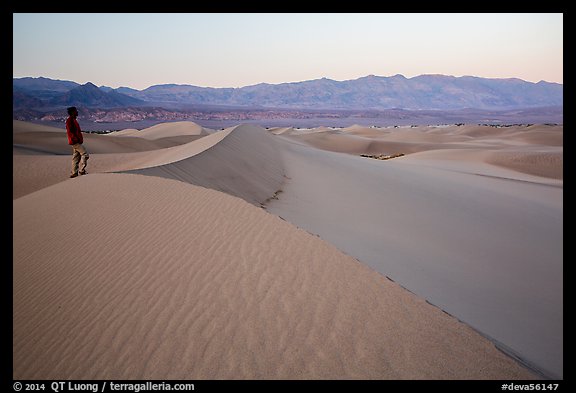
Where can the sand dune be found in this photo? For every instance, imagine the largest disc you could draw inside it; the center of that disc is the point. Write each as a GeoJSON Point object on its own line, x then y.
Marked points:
{"type": "Point", "coordinates": [164, 130]}
{"type": "Point", "coordinates": [145, 269]}
{"type": "Point", "coordinates": [366, 140]}
{"type": "Point", "coordinates": [538, 163]}
{"type": "Point", "coordinates": [243, 161]}
{"type": "Point", "coordinates": [19, 126]}
{"type": "Point", "coordinates": [52, 154]}
{"type": "Point", "coordinates": [41, 143]}
{"type": "Point", "coordinates": [476, 231]}
{"type": "Point", "coordinates": [535, 149]}
{"type": "Point", "coordinates": [539, 135]}
{"type": "Point", "coordinates": [281, 130]}
{"type": "Point", "coordinates": [29, 138]}
{"type": "Point", "coordinates": [139, 277]}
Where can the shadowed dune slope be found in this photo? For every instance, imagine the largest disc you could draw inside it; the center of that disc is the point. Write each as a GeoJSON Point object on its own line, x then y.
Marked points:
{"type": "Point", "coordinates": [246, 163]}
{"type": "Point", "coordinates": [482, 241]}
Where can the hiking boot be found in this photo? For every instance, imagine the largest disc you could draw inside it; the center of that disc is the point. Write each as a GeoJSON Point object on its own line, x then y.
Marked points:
{"type": "Point", "coordinates": [73, 175]}
{"type": "Point", "coordinates": [82, 173]}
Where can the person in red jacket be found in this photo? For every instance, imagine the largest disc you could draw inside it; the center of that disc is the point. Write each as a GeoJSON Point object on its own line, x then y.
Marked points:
{"type": "Point", "coordinates": [75, 139]}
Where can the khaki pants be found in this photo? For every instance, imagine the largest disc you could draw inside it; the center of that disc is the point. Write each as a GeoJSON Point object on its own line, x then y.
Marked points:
{"type": "Point", "coordinates": [79, 155]}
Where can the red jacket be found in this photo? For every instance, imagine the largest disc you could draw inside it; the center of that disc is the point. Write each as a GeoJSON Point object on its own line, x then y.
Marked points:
{"type": "Point", "coordinates": [73, 131]}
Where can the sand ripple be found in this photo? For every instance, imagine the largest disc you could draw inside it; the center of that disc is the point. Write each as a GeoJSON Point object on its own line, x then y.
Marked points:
{"type": "Point", "coordinates": [121, 276]}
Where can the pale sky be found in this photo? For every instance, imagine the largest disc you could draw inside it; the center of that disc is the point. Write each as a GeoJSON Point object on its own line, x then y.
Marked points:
{"type": "Point", "coordinates": [241, 49]}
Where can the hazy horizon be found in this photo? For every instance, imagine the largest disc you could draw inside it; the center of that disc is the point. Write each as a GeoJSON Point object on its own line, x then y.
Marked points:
{"type": "Point", "coordinates": [237, 50]}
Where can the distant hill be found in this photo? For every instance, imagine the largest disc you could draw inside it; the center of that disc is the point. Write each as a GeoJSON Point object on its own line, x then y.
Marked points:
{"type": "Point", "coordinates": [91, 96]}
{"type": "Point", "coordinates": [23, 100]}
{"type": "Point", "coordinates": [424, 92]}
{"type": "Point", "coordinates": [37, 94]}
{"type": "Point", "coordinates": [43, 84]}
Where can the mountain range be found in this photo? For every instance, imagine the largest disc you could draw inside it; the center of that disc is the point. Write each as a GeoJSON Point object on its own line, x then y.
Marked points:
{"type": "Point", "coordinates": [424, 92]}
